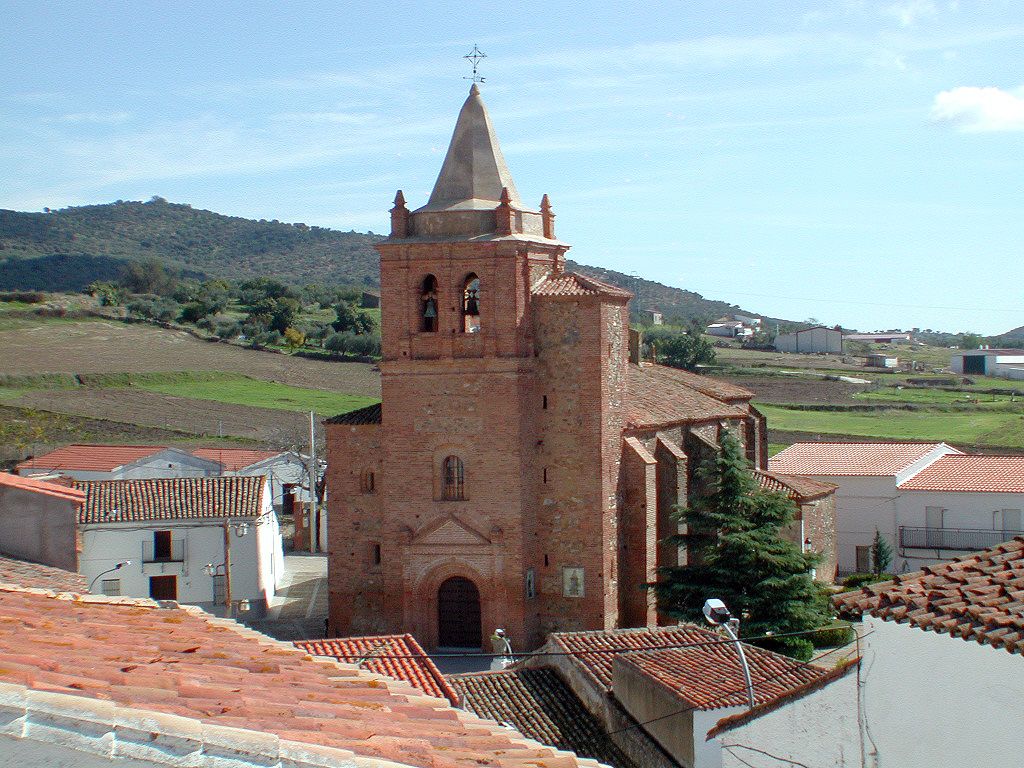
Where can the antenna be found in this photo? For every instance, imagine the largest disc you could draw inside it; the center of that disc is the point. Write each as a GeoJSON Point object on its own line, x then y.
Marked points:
{"type": "Point", "coordinates": [474, 56]}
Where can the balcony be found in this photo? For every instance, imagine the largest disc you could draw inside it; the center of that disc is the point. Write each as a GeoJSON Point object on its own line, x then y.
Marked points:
{"type": "Point", "coordinates": [959, 539]}
{"type": "Point", "coordinates": [164, 554]}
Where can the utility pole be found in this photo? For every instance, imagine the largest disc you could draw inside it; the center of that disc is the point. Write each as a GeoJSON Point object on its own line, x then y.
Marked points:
{"type": "Point", "coordinates": [227, 567]}
{"type": "Point", "coordinates": [313, 527]}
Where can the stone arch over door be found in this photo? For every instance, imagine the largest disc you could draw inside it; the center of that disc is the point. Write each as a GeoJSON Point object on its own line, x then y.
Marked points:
{"type": "Point", "coordinates": [423, 605]}
{"type": "Point", "coordinates": [459, 621]}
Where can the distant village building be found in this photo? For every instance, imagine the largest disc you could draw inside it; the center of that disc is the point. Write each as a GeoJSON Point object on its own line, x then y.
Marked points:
{"type": "Point", "coordinates": [1004, 363]}
{"type": "Point", "coordinates": [730, 329]}
{"type": "Point", "coordinates": [523, 468]}
{"type": "Point", "coordinates": [811, 341]}
{"type": "Point", "coordinates": [652, 317]}
{"type": "Point", "coordinates": [881, 361]}
{"type": "Point", "coordinates": [370, 300]}
{"type": "Point", "coordinates": [879, 338]}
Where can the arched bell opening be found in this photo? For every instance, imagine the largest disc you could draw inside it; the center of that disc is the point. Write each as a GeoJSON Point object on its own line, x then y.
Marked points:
{"type": "Point", "coordinates": [471, 304]}
{"type": "Point", "coordinates": [428, 304]}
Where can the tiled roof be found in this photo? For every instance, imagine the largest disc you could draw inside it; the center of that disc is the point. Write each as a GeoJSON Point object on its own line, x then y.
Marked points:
{"type": "Point", "coordinates": [170, 498]}
{"type": "Point", "coordinates": [976, 597]}
{"type": "Point", "coordinates": [159, 662]}
{"type": "Point", "coordinates": [799, 489]}
{"type": "Point", "coordinates": [92, 458]}
{"type": "Point", "coordinates": [26, 574]}
{"type": "Point", "coordinates": [656, 399]}
{"type": "Point", "coordinates": [831, 459]}
{"type": "Point", "coordinates": [707, 385]}
{"type": "Point", "coordinates": [538, 703]}
{"type": "Point", "coordinates": [962, 473]}
{"type": "Point", "coordinates": [385, 654]}
{"type": "Point", "coordinates": [705, 673]}
{"type": "Point", "coordinates": [233, 459]}
{"type": "Point", "coordinates": [371, 414]}
{"type": "Point", "coordinates": [41, 486]}
{"type": "Point", "coordinates": [571, 284]}
{"type": "Point", "coordinates": [710, 677]}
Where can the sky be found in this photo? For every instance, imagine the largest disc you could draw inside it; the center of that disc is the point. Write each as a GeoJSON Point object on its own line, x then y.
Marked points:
{"type": "Point", "coordinates": [859, 163]}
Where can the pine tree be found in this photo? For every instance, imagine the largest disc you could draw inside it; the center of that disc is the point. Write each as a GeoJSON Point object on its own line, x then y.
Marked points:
{"type": "Point", "coordinates": [881, 554]}
{"type": "Point", "coordinates": [736, 553]}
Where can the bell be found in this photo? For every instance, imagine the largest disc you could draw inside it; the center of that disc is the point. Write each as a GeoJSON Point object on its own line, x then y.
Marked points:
{"type": "Point", "coordinates": [472, 305]}
{"type": "Point", "coordinates": [430, 309]}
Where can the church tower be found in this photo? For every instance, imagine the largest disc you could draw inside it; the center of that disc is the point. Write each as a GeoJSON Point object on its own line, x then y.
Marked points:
{"type": "Point", "coordinates": [482, 492]}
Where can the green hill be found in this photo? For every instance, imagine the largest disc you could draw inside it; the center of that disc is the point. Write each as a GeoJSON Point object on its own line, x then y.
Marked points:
{"type": "Point", "coordinates": [69, 248]}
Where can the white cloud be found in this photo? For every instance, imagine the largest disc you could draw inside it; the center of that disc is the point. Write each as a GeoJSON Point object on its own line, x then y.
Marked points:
{"type": "Point", "coordinates": [908, 12]}
{"type": "Point", "coordinates": [980, 110]}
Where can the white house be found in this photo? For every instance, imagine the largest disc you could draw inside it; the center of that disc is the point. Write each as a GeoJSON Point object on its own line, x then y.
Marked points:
{"type": "Point", "coordinates": [286, 471]}
{"type": "Point", "coordinates": [811, 340]}
{"type": "Point", "coordinates": [732, 329]}
{"type": "Point", "coordinates": [942, 673]}
{"type": "Point", "coordinates": [171, 529]}
{"type": "Point", "coordinates": [118, 462]}
{"type": "Point", "coordinates": [1004, 363]}
{"type": "Point", "coordinates": [868, 476]}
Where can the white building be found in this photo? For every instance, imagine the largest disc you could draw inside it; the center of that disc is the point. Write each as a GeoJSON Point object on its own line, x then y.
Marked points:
{"type": "Point", "coordinates": [811, 340]}
{"type": "Point", "coordinates": [286, 471]}
{"type": "Point", "coordinates": [1004, 363]}
{"type": "Point", "coordinates": [171, 529]}
{"type": "Point", "coordinates": [942, 673]}
{"type": "Point", "coordinates": [731, 329]}
{"type": "Point", "coordinates": [930, 501]}
{"type": "Point", "coordinates": [118, 462]}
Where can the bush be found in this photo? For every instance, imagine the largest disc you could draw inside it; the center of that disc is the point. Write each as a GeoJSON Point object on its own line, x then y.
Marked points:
{"type": "Point", "coordinates": [339, 342]}
{"type": "Point", "coordinates": [226, 328]}
{"type": "Point", "coordinates": [366, 344]}
{"type": "Point", "coordinates": [25, 297]}
{"type": "Point", "coordinates": [857, 580]}
{"type": "Point", "coordinates": [154, 308]}
{"type": "Point", "coordinates": [195, 311]}
{"type": "Point", "coordinates": [833, 637]}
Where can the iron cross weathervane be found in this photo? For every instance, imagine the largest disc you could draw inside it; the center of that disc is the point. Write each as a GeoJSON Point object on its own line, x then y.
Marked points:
{"type": "Point", "coordinates": [474, 56]}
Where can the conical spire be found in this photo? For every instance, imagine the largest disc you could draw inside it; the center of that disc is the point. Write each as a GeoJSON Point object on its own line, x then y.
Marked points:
{"type": "Point", "coordinates": [474, 172]}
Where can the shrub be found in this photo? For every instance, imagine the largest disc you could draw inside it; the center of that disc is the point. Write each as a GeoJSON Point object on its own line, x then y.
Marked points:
{"type": "Point", "coordinates": [339, 342]}
{"type": "Point", "coordinates": [857, 580]}
{"type": "Point", "coordinates": [832, 637]}
{"type": "Point", "coordinates": [25, 297]}
{"type": "Point", "coordinates": [226, 328]}
{"type": "Point", "coordinates": [154, 308]}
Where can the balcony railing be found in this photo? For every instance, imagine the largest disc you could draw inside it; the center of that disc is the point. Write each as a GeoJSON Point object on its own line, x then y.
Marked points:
{"type": "Point", "coordinates": [963, 539]}
{"type": "Point", "coordinates": [176, 554]}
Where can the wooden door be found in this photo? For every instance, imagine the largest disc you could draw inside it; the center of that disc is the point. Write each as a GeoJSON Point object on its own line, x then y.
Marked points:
{"type": "Point", "coordinates": [458, 614]}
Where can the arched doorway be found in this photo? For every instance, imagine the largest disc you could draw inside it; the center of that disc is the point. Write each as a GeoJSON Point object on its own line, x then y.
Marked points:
{"type": "Point", "coordinates": [458, 614]}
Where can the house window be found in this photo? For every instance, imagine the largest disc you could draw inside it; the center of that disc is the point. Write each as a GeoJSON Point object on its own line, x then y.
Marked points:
{"type": "Point", "coordinates": [452, 478]}
{"type": "Point", "coordinates": [471, 304]}
{"type": "Point", "coordinates": [368, 481]}
{"type": "Point", "coordinates": [1011, 522]}
{"type": "Point", "coordinates": [161, 545]}
{"type": "Point", "coordinates": [572, 582]}
{"type": "Point", "coordinates": [428, 304]}
{"type": "Point", "coordinates": [864, 559]}
{"type": "Point", "coordinates": [111, 587]}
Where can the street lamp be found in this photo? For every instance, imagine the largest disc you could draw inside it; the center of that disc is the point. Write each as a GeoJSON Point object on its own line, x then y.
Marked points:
{"type": "Point", "coordinates": [716, 613]}
{"type": "Point", "coordinates": [117, 567]}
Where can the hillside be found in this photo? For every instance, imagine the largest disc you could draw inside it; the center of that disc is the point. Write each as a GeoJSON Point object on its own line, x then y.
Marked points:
{"type": "Point", "coordinates": [69, 248]}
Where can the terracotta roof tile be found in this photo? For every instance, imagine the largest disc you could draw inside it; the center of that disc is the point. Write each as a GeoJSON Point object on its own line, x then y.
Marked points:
{"type": "Point", "coordinates": [658, 397]}
{"type": "Point", "coordinates": [371, 414]}
{"type": "Point", "coordinates": [56, 490]}
{"type": "Point", "coordinates": [383, 654]}
{"type": "Point", "coordinates": [977, 597]}
{"type": "Point", "coordinates": [969, 474]}
{"type": "Point", "coordinates": [707, 385]}
{"type": "Point", "coordinates": [571, 284]}
{"type": "Point", "coordinates": [234, 459]}
{"type": "Point", "coordinates": [799, 489]}
{"type": "Point", "coordinates": [93, 458]}
{"type": "Point", "coordinates": [26, 574]}
{"type": "Point", "coordinates": [705, 675]}
{"type": "Point", "coordinates": [834, 458]}
{"type": "Point", "coordinates": [170, 660]}
{"type": "Point", "coordinates": [539, 704]}
{"type": "Point", "coordinates": [171, 498]}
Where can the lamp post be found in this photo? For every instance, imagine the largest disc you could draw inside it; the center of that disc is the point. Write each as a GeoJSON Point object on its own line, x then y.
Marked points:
{"type": "Point", "coordinates": [117, 567]}
{"type": "Point", "coordinates": [716, 613]}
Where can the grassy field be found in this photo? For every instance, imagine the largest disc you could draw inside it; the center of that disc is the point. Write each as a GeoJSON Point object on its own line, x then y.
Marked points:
{"type": "Point", "coordinates": [938, 397]}
{"type": "Point", "coordinates": [975, 427]}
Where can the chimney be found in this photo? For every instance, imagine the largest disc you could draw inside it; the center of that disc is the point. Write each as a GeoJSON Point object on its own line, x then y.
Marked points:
{"type": "Point", "coordinates": [636, 339]}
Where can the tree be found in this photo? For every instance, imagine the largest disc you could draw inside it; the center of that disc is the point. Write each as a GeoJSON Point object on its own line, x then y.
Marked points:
{"type": "Point", "coordinates": [683, 350]}
{"type": "Point", "coordinates": [969, 340]}
{"type": "Point", "coordinates": [148, 276]}
{"type": "Point", "coordinates": [736, 552]}
{"type": "Point", "coordinates": [277, 314]}
{"type": "Point", "coordinates": [294, 338]}
{"type": "Point", "coordinates": [881, 554]}
{"type": "Point", "coordinates": [351, 319]}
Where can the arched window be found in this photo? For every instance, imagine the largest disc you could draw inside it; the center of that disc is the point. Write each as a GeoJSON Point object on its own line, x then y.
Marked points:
{"type": "Point", "coordinates": [428, 304]}
{"type": "Point", "coordinates": [453, 475]}
{"type": "Point", "coordinates": [471, 304]}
